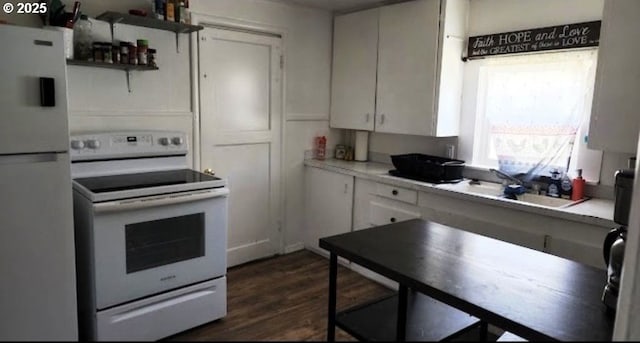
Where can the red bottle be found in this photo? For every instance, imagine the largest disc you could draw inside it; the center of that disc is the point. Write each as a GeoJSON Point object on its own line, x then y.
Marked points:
{"type": "Point", "coordinates": [321, 147]}
{"type": "Point", "coordinates": [577, 186]}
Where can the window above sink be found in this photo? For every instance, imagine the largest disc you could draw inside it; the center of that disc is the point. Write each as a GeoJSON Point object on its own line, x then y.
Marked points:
{"type": "Point", "coordinates": [531, 113]}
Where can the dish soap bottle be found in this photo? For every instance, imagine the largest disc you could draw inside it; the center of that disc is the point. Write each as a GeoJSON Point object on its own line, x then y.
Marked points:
{"type": "Point", "coordinates": [565, 187]}
{"type": "Point", "coordinates": [578, 186]}
{"type": "Point", "coordinates": [553, 190]}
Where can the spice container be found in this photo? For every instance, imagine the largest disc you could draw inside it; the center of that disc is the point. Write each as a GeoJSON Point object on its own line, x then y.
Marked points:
{"type": "Point", "coordinates": [133, 54]}
{"type": "Point", "coordinates": [115, 53]}
{"type": "Point", "coordinates": [98, 54]}
{"type": "Point", "coordinates": [143, 44]}
{"type": "Point", "coordinates": [151, 58]}
{"type": "Point", "coordinates": [124, 52]}
{"type": "Point", "coordinates": [169, 10]}
{"type": "Point", "coordinates": [106, 52]}
{"type": "Point", "coordinates": [82, 39]}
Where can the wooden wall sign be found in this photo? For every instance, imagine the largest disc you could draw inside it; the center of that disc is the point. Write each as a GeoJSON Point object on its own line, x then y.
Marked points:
{"type": "Point", "coordinates": [577, 35]}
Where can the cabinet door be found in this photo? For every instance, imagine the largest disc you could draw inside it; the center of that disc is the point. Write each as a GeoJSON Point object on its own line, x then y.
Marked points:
{"type": "Point", "coordinates": [329, 199]}
{"type": "Point", "coordinates": [407, 60]}
{"type": "Point", "coordinates": [353, 79]}
{"type": "Point", "coordinates": [584, 253]}
{"type": "Point", "coordinates": [614, 117]}
{"type": "Point", "coordinates": [383, 214]}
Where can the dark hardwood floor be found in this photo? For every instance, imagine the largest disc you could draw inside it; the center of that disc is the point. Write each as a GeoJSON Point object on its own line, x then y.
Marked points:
{"type": "Point", "coordinates": [283, 299]}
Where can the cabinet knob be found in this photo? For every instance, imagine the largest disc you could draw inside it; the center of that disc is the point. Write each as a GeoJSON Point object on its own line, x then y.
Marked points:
{"type": "Point", "coordinates": [394, 192]}
{"type": "Point", "coordinates": [367, 117]}
{"type": "Point", "coordinates": [381, 119]}
{"type": "Point", "coordinates": [393, 219]}
{"type": "Point", "coordinates": [209, 171]}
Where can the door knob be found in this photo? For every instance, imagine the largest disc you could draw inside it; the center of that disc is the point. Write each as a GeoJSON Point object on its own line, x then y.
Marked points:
{"type": "Point", "coordinates": [209, 171]}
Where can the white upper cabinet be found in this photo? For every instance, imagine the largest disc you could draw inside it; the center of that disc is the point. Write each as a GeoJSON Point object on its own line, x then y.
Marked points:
{"type": "Point", "coordinates": [615, 116]}
{"type": "Point", "coordinates": [398, 68]}
{"type": "Point", "coordinates": [407, 60]}
{"type": "Point", "coordinates": [355, 58]}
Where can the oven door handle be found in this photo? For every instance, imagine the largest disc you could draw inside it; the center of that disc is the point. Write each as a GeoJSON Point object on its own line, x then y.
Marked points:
{"type": "Point", "coordinates": [168, 199]}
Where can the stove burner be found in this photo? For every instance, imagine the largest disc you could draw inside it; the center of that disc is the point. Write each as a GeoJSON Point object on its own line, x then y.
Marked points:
{"type": "Point", "coordinates": [122, 182]}
{"type": "Point", "coordinates": [396, 173]}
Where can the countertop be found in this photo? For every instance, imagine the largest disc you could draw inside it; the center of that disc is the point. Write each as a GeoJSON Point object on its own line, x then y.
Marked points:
{"type": "Point", "coordinates": [594, 211]}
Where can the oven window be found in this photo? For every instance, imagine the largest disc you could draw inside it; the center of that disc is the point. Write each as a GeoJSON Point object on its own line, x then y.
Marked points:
{"type": "Point", "coordinates": [159, 242]}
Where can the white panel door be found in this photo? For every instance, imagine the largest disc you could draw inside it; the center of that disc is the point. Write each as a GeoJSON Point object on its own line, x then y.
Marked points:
{"type": "Point", "coordinates": [240, 99]}
{"type": "Point", "coordinates": [353, 77]}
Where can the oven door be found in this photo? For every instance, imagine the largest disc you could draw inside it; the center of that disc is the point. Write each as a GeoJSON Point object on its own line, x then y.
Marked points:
{"type": "Point", "coordinates": [145, 246]}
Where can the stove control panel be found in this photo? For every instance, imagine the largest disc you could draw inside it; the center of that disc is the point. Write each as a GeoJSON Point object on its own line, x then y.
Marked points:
{"type": "Point", "coordinates": [127, 144]}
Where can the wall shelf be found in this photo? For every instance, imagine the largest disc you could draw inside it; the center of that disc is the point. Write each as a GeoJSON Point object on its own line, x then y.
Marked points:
{"type": "Point", "coordinates": [122, 18]}
{"type": "Point", "coordinates": [126, 67]}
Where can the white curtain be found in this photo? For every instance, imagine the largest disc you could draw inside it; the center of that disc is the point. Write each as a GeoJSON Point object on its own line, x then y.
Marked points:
{"type": "Point", "coordinates": [531, 109]}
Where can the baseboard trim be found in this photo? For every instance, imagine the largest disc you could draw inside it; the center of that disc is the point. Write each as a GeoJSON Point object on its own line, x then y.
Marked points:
{"type": "Point", "coordinates": [293, 247]}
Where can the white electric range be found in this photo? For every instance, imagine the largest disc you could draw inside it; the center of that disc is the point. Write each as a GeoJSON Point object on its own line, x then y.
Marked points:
{"type": "Point", "coordinates": [151, 236]}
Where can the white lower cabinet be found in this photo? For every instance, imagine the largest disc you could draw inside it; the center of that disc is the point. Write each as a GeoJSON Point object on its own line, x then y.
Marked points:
{"type": "Point", "coordinates": [565, 238]}
{"type": "Point", "coordinates": [338, 203]}
{"type": "Point", "coordinates": [382, 214]}
{"type": "Point", "coordinates": [585, 252]}
{"type": "Point", "coordinates": [328, 206]}
{"type": "Point", "coordinates": [377, 204]}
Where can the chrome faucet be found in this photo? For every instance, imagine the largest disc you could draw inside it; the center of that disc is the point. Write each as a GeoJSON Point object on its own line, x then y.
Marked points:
{"type": "Point", "coordinates": [506, 176]}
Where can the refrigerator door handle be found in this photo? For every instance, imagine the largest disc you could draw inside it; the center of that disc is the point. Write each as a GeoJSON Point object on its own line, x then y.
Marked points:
{"type": "Point", "coordinates": [29, 158]}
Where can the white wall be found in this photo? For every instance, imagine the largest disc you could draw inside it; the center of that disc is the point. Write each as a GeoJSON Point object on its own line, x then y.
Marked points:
{"type": "Point", "coordinates": [493, 16]}
{"type": "Point", "coordinates": [392, 144]}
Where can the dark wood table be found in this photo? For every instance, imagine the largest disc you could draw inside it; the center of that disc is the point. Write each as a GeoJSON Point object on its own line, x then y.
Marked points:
{"type": "Point", "coordinates": [532, 294]}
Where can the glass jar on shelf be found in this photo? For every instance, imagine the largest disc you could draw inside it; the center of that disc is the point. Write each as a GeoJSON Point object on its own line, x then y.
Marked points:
{"type": "Point", "coordinates": [124, 52]}
{"type": "Point", "coordinates": [82, 39]}
{"type": "Point", "coordinates": [107, 53]}
{"type": "Point", "coordinates": [133, 54]}
{"type": "Point", "coordinates": [151, 58]}
{"type": "Point", "coordinates": [143, 45]}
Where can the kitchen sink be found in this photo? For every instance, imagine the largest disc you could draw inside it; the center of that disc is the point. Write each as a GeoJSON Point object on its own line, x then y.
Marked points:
{"type": "Point", "coordinates": [496, 190]}
{"type": "Point", "coordinates": [544, 200]}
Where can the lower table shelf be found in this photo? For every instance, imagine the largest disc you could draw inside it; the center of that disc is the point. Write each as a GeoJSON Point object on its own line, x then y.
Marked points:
{"type": "Point", "coordinates": [427, 320]}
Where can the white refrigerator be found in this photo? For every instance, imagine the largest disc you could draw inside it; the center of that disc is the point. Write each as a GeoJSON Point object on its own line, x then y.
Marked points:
{"type": "Point", "coordinates": [37, 254]}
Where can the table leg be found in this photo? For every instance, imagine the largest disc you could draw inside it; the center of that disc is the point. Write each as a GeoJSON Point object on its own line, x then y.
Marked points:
{"type": "Point", "coordinates": [331, 319]}
{"type": "Point", "coordinates": [401, 328]}
{"type": "Point", "coordinates": [484, 331]}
